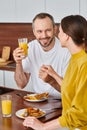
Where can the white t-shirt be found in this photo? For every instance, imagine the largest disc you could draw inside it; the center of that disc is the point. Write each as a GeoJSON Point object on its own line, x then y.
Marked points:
{"type": "Point", "coordinates": [57, 57]}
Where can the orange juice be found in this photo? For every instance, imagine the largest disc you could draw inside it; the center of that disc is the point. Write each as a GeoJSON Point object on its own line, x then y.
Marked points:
{"type": "Point", "coordinates": [24, 46]}
{"type": "Point", "coordinates": [7, 123]}
{"type": "Point", "coordinates": [6, 107]}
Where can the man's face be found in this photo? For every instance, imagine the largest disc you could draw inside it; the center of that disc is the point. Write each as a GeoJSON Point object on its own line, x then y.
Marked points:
{"type": "Point", "coordinates": [44, 32]}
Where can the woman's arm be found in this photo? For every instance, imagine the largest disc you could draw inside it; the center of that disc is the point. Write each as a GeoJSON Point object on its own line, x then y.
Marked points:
{"type": "Point", "coordinates": [38, 125]}
{"type": "Point", "coordinates": [48, 75]}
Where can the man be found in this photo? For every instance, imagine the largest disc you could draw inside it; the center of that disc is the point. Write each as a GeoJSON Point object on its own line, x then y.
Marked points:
{"type": "Point", "coordinates": [45, 50]}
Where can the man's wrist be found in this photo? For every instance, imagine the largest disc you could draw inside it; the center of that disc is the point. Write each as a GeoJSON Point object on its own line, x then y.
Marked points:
{"type": "Point", "coordinates": [17, 64]}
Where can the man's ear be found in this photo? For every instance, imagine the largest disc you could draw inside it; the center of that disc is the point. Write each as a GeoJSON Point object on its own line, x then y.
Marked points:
{"type": "Point", "coordinates": [33, 32]}
{"type": "Point", "coordinates": [56, 30]}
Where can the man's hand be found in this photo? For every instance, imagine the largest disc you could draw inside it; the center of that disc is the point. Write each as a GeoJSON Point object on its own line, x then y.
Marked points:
{"type": "Point", "coordinates": [17, 55]}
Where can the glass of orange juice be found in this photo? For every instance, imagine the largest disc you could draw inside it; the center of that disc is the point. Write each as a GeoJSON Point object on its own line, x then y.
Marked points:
{"type": "Point", "coordinates": [7, 123]}
{"type": "Point", "coordinates": [6, 103]}
{"type": "Point", "coordinates": [23, 45]}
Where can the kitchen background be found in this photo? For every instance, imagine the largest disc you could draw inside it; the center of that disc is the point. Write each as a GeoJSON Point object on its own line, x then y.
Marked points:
{"type": "Point", "coordinates": [23, 11]}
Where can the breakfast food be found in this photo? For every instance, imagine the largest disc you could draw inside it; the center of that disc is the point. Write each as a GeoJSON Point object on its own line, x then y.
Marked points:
{"type": "Point", "coordinates": [37, 96]}
{"type": "Point", "coordinates": [5, 54]}
{"type": "Point", "coordinates": [2, 60]}
{"type": "Point", "coordinates": [42, 95]}
{"type": "Point", "coordinates": [30, 111]}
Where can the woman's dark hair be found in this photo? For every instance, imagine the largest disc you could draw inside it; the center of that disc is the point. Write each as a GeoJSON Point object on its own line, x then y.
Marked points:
{"type": "Point", "coordinates": [76, 27]}
{"type": "Point", "coordinates": [42, 16]}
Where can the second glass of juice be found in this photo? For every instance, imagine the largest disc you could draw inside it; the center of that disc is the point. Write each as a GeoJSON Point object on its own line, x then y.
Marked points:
{"type": "Point", "coordinates": [6, 104]}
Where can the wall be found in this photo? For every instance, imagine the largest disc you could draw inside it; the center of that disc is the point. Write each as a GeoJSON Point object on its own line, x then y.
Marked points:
{"type": "Point", "coordinates": [24, 10]}
{"type": "Point", "coordinates": [62, 8]}
{"type": "Point", "coordinates": [19, 10]}
{"type": "Point", "coordinates": [83, 8]}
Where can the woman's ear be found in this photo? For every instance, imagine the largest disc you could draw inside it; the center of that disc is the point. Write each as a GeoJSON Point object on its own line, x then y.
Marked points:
{"type": "Point", "coordinates": [67, 36]}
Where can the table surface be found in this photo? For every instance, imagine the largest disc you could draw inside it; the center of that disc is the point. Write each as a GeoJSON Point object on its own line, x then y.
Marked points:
{"type": "Point", "coordinates": [15, 123]}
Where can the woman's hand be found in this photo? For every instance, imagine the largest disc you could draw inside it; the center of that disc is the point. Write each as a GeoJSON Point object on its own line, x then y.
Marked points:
{"type": "Point", "coordinates": [34, 123]}
{"type": "Point", "coordinates": [46, 70]}
{"type": "Point", "coordinates": [48, 75]}
{"type": "Point", "coordinates": [44, 75]}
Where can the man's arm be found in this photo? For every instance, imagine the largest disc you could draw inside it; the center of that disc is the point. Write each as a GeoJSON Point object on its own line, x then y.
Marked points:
{"type": "Point", "coordinates": [20, 76]}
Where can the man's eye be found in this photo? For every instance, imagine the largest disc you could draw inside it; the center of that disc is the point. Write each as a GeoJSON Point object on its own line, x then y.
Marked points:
{"type": "Point", "coordinates": [39, 31]}
{"type": "Point", "coordinates": [48, 30]}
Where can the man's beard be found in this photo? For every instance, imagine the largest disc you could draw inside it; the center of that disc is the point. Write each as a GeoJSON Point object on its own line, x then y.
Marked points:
{"type": "Point", "coordinates": [48, 44]}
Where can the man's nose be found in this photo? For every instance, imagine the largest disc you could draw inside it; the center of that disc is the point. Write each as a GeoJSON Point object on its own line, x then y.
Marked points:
{"type": "Point", "coordinates": [44, 34]}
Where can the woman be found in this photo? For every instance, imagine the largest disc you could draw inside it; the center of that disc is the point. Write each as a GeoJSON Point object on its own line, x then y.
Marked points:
{"type": "Point", "coordinates": [72, 35]}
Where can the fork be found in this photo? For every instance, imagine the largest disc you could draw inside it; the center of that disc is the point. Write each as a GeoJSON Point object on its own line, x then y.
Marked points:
{"type": "Point", "coordinates": [48, 111]}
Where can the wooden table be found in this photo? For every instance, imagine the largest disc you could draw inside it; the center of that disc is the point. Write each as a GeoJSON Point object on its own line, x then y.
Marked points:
{"type": "Point", "coordinates": [15, 123]}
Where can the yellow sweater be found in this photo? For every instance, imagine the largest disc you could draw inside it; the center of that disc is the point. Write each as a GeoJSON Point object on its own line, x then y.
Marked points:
{"type": "Point", "coordinates": [74, 93]}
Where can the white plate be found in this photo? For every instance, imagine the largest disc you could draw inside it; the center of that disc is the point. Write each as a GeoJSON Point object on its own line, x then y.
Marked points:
{"type": "Point", "coordinates": [43, 99]}
{"type": "Point", "coordinates": [21, 111]}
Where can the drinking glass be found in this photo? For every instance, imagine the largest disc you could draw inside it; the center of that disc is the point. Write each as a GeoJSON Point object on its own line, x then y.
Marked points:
{"type": "Point", "coordinates": [6, 104]}
{"type": "Point", "coordinates": [23, 45]}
